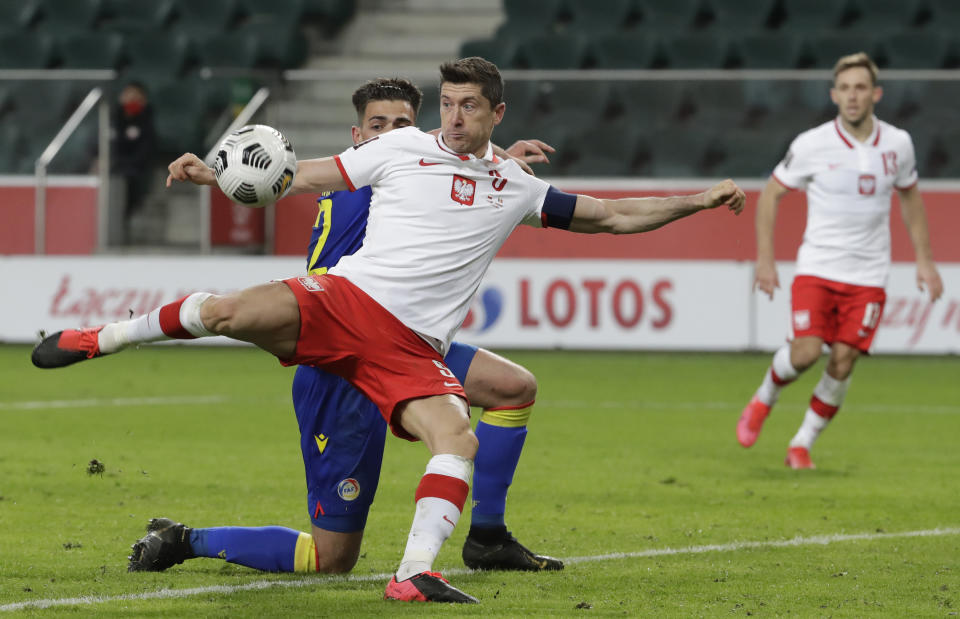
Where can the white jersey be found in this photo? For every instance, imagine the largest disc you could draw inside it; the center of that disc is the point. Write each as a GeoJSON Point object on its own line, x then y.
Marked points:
{"type": "Point", "coordinates": [849, 185]}
{"type": "Point", "coordinates": [436, 221]}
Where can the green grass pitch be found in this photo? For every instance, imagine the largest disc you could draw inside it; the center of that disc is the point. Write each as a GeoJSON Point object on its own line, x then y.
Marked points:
{"type": "Point", "coordinates": [631, 472]}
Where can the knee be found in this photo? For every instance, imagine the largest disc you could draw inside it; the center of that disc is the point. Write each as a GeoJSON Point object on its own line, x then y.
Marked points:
{"type": "Point", "coordinates": [217, 313]}
{"type": "Point", "coordinates": [803, 356]}
{"type": "Point", "coordinates": [468, 443]}
{"type": "Point", "coordinates": [520, 387]}
{"type": "Point", "coordinates": [336, 564]}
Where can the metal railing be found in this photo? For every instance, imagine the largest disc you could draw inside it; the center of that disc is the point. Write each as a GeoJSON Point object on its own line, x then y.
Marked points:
{"type": "Point", "coordinates": [94, 98]}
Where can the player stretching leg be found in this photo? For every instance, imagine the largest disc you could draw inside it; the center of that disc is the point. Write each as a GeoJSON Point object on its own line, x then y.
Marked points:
{"type": "Point", "coordinates": [849, 168]}
{"type": "Point", "coordinates": [383, 317]}
{"type": "Point", "coordinates": [342, 434]}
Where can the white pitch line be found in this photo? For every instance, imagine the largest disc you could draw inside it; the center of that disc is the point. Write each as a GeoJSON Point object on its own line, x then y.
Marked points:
{"type": "Point", "coordinates": [202, 400]}
{"type": "Point", "coordinates": [181, 400]}
{"type": "Point", "coordinates": [319, 580]}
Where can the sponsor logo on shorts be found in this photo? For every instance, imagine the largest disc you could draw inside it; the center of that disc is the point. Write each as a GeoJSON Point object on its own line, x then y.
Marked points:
{"type": "Point", "coordinates": [348, 489]}
{"type": "Point", "coordinates": [310, 284]}
{"type": "Point", "coordinates": [801, 320]}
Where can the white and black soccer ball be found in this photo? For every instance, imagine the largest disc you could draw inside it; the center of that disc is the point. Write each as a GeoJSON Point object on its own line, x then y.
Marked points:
{"type": "Point", "coordinates": [255, 165]}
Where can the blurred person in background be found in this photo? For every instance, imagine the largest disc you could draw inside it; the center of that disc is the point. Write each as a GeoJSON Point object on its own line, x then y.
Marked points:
{"type": "Point", "coordinates": [134, 147]}
{"type": "Point", "coordinates": [849, 168]}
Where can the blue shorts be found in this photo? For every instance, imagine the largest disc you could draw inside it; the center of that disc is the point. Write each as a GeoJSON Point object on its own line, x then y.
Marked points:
{"type": "Point", "coordinates": [341, 436]}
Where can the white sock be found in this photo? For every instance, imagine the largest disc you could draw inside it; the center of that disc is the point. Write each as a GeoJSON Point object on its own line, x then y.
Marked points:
{"type": "Point", "coordinates": [435, 517]}
{"type": "Point", "coordinates": [827, 398]}
{"type": "Point", "coordinates": [146, 328]}
{"type": "Point", "coordinates": [769, 390]}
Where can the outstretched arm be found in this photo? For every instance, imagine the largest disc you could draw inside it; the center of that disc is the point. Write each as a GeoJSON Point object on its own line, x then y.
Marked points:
{"type": "Point", "coordinates": [765, 271]}
{"type": "Point", "coordinates": [313, 175]}
{"type": "Point", "coordinates": [633, 215]}
{"type": "Point", "coordinates": [915, 218]}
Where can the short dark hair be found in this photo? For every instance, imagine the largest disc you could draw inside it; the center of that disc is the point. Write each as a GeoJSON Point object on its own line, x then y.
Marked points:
{"type": "Point", "coordinates": [387, 89]}
{"type": "Point", "coordinates": [475, 70]}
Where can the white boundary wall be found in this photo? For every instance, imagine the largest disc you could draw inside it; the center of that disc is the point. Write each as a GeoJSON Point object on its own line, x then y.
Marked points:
{"type": "Point", "coordinates": [523, 303]}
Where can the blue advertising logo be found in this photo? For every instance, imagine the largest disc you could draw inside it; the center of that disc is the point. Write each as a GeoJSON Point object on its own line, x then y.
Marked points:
{"type": "Point", "coordinates": [484, 312]}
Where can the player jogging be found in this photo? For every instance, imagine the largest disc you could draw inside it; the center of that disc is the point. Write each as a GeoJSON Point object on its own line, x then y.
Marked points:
{"type": "Point", "coordinates": [849, 168]}
{"type": "Point", "coordinates": [342, 433]}
{"type": "Point", "coordinates": [441, 207]}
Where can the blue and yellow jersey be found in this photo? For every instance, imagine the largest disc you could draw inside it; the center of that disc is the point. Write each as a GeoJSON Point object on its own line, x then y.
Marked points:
{"type": "Point", "coordinates": [339, 229]}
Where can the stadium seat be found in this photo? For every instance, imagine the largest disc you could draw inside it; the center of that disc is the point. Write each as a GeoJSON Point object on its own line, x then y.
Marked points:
{"type": "Point", "coordinates": [59, 15]}
{"type": "Point", "coordinates": [605, 149]}
{"type": "Point", "coordinates": [333, 13]}
{"type": "Point", "coordinates": [553, 51]}
{"type": "Point", "coordinates": [500, 52]}
{"type": "Point", "coordinates": [914, 50]}
{"type": "Point", "coordinates": [280, 44]}
{"type": "Point", "coordinates": [18, 14]}
{"type": "Point", "coordinates": [523, 98]}
{"type": "Point", "coordinates": [288, 11]}
{"type": "Point", "coordinates": [695, 51]}
{"type": "Point", "coordinates": [823, 50]}
{"type": "Point", "coordinates": [577, 102]}
{"type": "Point", "coordinates": [751, 154]}
{"type": "Point", "coordinates": [158, 53]}
{"type": "Point", "coordinates": [24, 50]}
{"type": "Point", "coordinates": [179, 123]}
{"type": "Point", "coordinates": [676, 152]}
{"type": "Point", "coordinates": [650, 104]}
{"type": "Point", "coordinates": [742, 15]}
{"type": "Point", "coordinates": [884, 16]}
{"type": "Point", "coordinates": [11, 145]}
{"type": "Point", "coordinates": [623, 50]}
{"type": "Point", "coordinates": [77, 154]}
{"type": "Point", "coordinates": [945, 15]}
{"type": "Point", "coordinates": [200, 19]}
{"type": "Point", "coordinates": [768, 50]}
{"type": "Point", "coordinates": [591, 18]}
{"type": "Point", "coordinates": [813, 16]}
{"type": "Point", "coordinates": [136, 16]}
{"type": "Point", "coordinates": [91, 50]}
{"type": "Point", "coordinates": [668, 16]}
{"type": "Point", "coordinates": [717, 103]}
{"type": "Point", "coordinates": [525, 18]}
{"type": "Point", "coordinates": [235, 50]}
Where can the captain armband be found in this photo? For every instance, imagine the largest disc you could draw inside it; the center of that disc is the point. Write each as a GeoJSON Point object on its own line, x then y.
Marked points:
{"type": "Point", "coordinates": [558, 207]}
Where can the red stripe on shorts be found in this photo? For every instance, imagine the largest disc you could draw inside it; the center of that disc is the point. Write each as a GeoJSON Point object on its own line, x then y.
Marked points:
{"type": "Point", "coordinates": [170, 321]}
{"type": "Point", "coordinates": [822, 408]}
{"type": "Point", "coordinates": [443, 487]}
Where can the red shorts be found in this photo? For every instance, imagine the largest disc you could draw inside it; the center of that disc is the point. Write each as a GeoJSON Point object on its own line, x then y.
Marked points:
{"type": "Point", "coordinates": [836, 312]}
{"type": "Point", "coordinates": [347, 333]}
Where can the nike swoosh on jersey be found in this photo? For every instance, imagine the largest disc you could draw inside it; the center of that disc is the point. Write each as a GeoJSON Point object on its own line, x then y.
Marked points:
{"type": "Point", "coordinates": [429, 163]}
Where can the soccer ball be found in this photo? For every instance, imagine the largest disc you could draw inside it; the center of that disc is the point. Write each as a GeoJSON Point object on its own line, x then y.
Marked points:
{"type": "Point", "coordinates": [255, 165]}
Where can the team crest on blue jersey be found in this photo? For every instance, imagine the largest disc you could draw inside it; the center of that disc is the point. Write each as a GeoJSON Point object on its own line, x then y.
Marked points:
{"type": "Point", "coordinates": [462, 190]}
{"type": "Point", "coordinates": [348, 489]}
{"type": "Point", "coordinates": [484, 312]}
{"type": "Point", "coordinates": [310, 284]}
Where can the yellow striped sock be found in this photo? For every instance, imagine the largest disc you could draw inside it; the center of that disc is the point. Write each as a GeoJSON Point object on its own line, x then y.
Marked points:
{"type": "Point", "coordinates": [508, 416]}
{"type": "Point", "coordinates": [305, 554]}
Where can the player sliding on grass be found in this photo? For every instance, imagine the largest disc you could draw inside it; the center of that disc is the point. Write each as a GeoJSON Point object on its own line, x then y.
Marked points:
{"type": "Point", "coordinates": [383, 317]}
{"type": "Point", "coordinates": [342, 433]}
{"type": "Point", "coordinates": [849, 168]}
